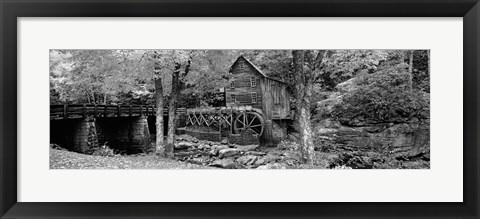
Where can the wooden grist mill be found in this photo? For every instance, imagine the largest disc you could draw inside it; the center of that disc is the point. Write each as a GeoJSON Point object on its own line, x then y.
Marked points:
{"type": "Point", "coordinates": [257, 109]}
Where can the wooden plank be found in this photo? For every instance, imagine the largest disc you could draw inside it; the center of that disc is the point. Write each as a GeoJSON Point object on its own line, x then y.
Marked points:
{"type": "Point", "coordinates": [67, 111]}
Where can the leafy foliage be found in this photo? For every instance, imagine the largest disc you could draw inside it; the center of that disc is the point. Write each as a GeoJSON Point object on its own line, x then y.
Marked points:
{"type": "Point", "coordinates": [382, 97]}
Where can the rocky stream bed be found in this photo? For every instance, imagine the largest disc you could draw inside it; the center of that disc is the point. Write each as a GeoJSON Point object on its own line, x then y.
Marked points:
{"type": "Point", "coordinates": [286, 156]}
{"type": "Point", "coordinates": [231, 156]}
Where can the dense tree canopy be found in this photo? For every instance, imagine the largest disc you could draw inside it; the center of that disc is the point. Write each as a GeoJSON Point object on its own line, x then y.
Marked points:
{"type": "Point", "coordinates": [125, 76]}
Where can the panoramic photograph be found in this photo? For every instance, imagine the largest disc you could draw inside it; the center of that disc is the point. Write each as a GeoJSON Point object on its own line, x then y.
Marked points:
{"type": "Point", "coordinates": [239, 109]}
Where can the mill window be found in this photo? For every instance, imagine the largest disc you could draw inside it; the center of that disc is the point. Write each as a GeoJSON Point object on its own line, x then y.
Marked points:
{"type": "Point", "coordinates": [233, 98]}
{"type": "Point", "coordinates": [253, 82]}
{"type": "Point", "coordinates": [242, 66]}
{"type": "Point", "coordinates": [254, 97]}
{"type": "Point", "coordinates": [232, 85]}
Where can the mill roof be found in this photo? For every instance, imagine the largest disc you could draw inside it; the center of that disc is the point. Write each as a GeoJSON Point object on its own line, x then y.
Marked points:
{"type": "Point", "coordinates": [257, 69]}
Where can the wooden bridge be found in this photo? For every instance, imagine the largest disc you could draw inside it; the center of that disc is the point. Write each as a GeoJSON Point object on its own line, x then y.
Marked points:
{"type": "Point", "coordinates": [83, 127]}
{"type": "Point", "coordinates": [75, 111]}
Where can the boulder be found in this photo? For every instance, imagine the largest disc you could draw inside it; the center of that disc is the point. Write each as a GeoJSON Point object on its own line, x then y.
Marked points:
{"type": "Point", "coordinates": [269, 158]}
{"type": "Point", "coordinates": [272, 158]}
{"type": "Point", "coordinates": [216, 149]}
{"type": "Point", "coordinates": [203, 146]}
{"type": "Point", "coordinates": [228, 152]}
{"type": "Point", "coordinates": [225, 163]}
{"type": "Point", "coordinates": [260, 161]}
{"type": "Point", "coordinates": [272, 166]}
{"type": "Point", "coordinates": [199, 160]}
{"type": "Point", "coordinates": [246, 147]}
{"type": "Point", "coordinates": [256, 153]}
{"type": "Point", "coordinates": [275, 153]}
{"type": "Point", "coordinates": [247, 160]}
{"type": "Point", "coordinates": [224, 141]}
{"type": "Point", "coordinates": [186, 138]}
{"type": "Point", "coordinates": [183, 145]}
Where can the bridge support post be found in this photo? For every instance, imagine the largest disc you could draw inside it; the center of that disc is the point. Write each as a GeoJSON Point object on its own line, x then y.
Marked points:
{"type": "Point", "coordinates": [74, 134]}
{"type": "Point", "coordinates": [140, 134]}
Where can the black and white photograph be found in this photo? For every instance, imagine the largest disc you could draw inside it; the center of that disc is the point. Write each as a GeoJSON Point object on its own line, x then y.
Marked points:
{"type": "Point", "coordinates": [239, 109]}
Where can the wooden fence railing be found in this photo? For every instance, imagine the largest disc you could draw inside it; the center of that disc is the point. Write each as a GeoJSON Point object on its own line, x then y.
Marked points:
{"type": "Point", "coordinates": [67, 111]}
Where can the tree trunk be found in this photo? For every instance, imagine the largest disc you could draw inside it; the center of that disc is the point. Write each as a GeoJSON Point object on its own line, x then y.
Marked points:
{"type": "Point", "coordinates": [93, 97]}
{"type": "Point", "coordinates": [303, 92]}
{"type": "Point", "coordinates": [88, 97]}
{"type": "Point", "coordinates": [410, 71]}
{"type": "Point", "coordinates": [306, 141]}
{"type": "Point", "coordinates": [159, 148]}
{"type": "Point", "coordinates": [105, 98]}
{"type": "Point", "coordinates": [172, 108]}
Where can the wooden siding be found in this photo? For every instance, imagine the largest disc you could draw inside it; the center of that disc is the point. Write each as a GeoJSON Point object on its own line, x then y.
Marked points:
{"type": "Point", "coordinates": [276, 99]}
{"type": "Point", "coordinates": [243, 88]}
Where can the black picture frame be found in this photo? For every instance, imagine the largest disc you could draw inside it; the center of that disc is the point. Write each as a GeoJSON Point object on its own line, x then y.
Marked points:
{"type": "Point", "coordinates": [10, 10]}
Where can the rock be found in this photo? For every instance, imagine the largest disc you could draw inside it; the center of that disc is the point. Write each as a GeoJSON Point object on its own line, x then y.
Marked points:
{"type": "Point", "coordinates": [225, 163]}
{"type": "Point", "coordinates": [269, 158]}
{"type": "Point", "coordinates": [199, 160]}
{"type": "Point", "coordinates": [228, 152]}
{"type": "Point", "coordinates": [246, 147]}
{"type": "Point", "coordinates": [195, 161]}
{"type": "Point", "coordinates": [203, 146]}
{"type": "Point", "coordinates": [373, 129]}
{"type": "Point", "coordinates": [260, 161]}
{"type": "Point", "coordinates": [216, 149]}
{"type": "Point", "coordinates": [256, 153]}
{"type": "Point", "coordinates": [224, 141]}
{"type": "Point", "coordinates": [272, 166]}
{"type": "Point", "coordinates": [247, 160]}
{"type": "Point", "coordinates": [275, 153]}
{"type": "Point", "coordinates": [183, 145]}
{"type": "Point", "coordinates": [56, 146]}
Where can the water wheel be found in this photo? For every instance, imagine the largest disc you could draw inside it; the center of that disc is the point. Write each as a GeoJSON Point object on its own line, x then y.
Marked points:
{"type": "Point", "coordinates": [249, 120]}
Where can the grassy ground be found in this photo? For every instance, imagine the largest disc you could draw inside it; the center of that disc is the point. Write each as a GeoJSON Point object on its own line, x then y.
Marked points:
{"type": "Point", "coordinates": [62, 159]}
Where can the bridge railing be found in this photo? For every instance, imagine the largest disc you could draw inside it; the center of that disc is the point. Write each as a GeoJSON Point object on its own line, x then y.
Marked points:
{"type": "Point", "coordinates": [71, 111]}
